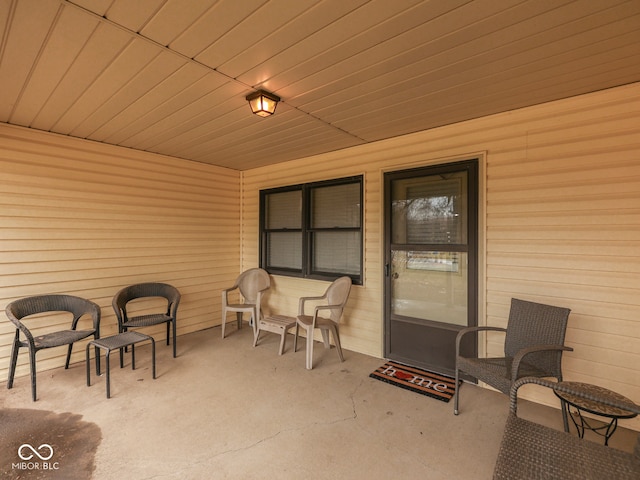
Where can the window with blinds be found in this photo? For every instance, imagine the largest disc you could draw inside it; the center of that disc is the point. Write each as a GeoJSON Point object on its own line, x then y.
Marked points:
{"type": "Point", "coordinates": [313, 230]}
{"type": "Point", "coordinates": [283, 229]}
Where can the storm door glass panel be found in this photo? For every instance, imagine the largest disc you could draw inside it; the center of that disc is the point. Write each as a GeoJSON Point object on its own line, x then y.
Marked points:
{"type": "Point", "coordinates": [429, 264]}
{"type": "Point", "coordinates": [430, 285]}
{"type": "Point", "coordinates": [429, 210]}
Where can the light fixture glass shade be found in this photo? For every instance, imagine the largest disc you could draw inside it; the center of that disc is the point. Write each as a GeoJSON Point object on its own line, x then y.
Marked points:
{"type": "Point", "coordinates": [263, 103]}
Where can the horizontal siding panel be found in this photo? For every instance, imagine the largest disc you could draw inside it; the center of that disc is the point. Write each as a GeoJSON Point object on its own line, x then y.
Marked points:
{"type": "Point", "coordinates": [619, 216]}
{"type": "Point", "coordinates": [621, 379]}
{"type": "Point", "coordinates": [599, 263]}
{"type": "Point", "coordinates": [562, 292]}
{"type": "Point", "coordinates": [610, 279]}
{"type": "Point", "coordinates": [627, 248]}
{"type": "Point", "coordinates": [619, 230]}
{"type": "Point", "coordinates": [607, 359]}
{"type": "Point", "coordinates": [624, 344]}
{"type": "Point", "coordinates": [87, 219]}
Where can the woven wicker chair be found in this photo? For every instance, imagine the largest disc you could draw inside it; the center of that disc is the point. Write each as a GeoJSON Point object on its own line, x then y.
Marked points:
{"type": "Point", "coordinates": [147, 290]}
{"type": "Point", "coordinates": [252, 284]}
{"type": "Point", "coordinates": [533, 347]}
{"type": "Point", "coordinates": [19, 310]}
{"type": "Point", "coordinates": [531, 451]}
{"type": "Point", "coordinates": [336, 298]}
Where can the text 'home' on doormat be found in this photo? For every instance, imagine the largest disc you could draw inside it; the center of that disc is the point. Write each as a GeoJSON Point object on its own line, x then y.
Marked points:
{"type": "Point", "coordinates": [441, 387]}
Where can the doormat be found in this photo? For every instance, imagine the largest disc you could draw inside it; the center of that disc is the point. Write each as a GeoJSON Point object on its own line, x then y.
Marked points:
{"type": "Point", "coordinates": [441, 387]}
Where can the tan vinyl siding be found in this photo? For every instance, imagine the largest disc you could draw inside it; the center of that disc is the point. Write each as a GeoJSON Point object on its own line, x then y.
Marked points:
{"type": "Point", "coordinates": [87, 219]}
{"type": "Point", "coordinates": [560, 224]}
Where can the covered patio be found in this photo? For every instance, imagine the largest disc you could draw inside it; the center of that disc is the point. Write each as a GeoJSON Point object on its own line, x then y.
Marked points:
{"type": "Point", "coordinates": [224, 409]}
{"type": "Point", "coordinates": [128, 154]}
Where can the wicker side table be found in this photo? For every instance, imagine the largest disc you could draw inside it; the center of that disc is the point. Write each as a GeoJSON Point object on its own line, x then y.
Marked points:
{"type": "Point", "coordinates": [584, 405]}
{"type": "Point", "coordinates": [119, 342]}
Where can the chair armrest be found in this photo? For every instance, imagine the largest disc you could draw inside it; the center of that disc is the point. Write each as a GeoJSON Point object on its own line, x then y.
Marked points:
{"type": "Point", "coordinates": [95, 313]}
{"type": "Point", "coordinates": [325, 307]}
{"type": "Point", "coordinates": [515, 366]}
{"type": "Point", "coordinates": [22, 327]}
{"type": "Point", "coordinates": [321, 307]}
{"type": "Point", "coordinates": [173, 308]}
{"type": "Point", "coordinates": [225, 294]}
{"type": "Point", "coordinates": [120, 315]}
{"type": "Point", "coordinates": [302, 301]}
{"type": "Point", "coordinates": [466, 330]}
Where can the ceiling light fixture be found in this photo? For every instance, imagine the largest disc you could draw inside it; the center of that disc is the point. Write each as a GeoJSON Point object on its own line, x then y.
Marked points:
{"type": "Point", "coordinates": [263, 103]}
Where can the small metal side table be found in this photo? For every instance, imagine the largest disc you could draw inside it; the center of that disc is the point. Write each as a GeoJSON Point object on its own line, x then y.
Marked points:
{"type": "Point", "coordinates": [119, 342]}
{"type": "Point", "coordinates": [591, 406]}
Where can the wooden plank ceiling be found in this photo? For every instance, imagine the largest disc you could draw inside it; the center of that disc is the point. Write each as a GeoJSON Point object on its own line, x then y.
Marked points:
{"type": "Point", "coordinates": [171, 76]}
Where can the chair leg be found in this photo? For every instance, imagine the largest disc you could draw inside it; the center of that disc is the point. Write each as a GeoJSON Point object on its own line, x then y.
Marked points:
{"type": "Point", "coordinates": [14, 360]}
{"type": "Point", "coordinates": [253, 322]}
{"type": "Point", "coordinates": [108, 367]}
{"type": "Point", "coordinates": [168, 328]}
{"type": "Point", "coordinates": [224, 320]}
{"type": "Point", "coordinates": [87, 365]}
{"type": "Point", "coordinates": [325, 337]}
{"type": "Point", "coordinates": [457, 392]}
{"type": "Point", "coordinates": [32, 362]}
{"type": "Point", "coordinates": [96, 336]}
{"type": "Point", "coordinates": [295, 339]}
{"type": "Point", "coordinates": [309, 349]}
{"type": "Point", "coordinates": [336, 339]}
{"type": "Point", "coordinates": [153, 356]}
{"type": "Point", "coordinates": [565, 419]}
{"type": "Point", "coordinates": [175, 343]}
{"type": "Point", "coordinates": [66, 364]}
{"type": "Point", "coordinates": [121, 355]}
{"type": "Point", "coordinates": [565, 409]}
{"type": "Point", "coordinates": [282, 341]}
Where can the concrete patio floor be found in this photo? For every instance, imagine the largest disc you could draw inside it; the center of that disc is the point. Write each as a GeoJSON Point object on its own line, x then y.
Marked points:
{"type": "Point", "coordinates": [225, 410]}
